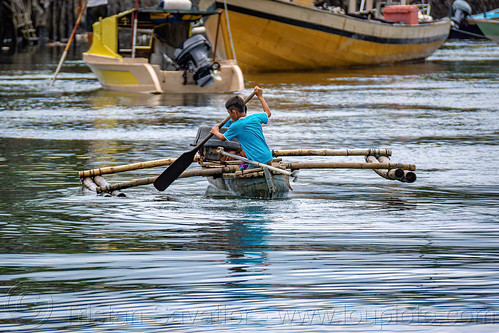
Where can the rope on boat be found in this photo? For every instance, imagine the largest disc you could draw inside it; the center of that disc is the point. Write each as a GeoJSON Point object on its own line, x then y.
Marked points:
{"type": "Point", "coordinates": [230, 32]}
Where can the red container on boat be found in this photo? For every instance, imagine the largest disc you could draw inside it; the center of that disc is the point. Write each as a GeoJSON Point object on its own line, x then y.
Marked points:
{"type": "Point", "coordinates": [407, 14]}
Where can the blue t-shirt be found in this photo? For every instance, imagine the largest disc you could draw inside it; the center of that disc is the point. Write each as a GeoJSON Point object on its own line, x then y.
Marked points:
{"type": "Point", "coordinates": [249, 133]}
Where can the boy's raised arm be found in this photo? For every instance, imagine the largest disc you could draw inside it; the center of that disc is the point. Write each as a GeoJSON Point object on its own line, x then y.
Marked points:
{"type": "Point", "coordinates": [259, 94]}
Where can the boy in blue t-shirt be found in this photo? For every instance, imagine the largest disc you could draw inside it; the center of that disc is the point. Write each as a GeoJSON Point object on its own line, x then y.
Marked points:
{"type": "Point", "coordinates": [247, 129]}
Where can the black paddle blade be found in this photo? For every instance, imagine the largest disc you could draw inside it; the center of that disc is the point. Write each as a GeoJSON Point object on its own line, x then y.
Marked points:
{"type": "Point", "coordinates": [174, 170]}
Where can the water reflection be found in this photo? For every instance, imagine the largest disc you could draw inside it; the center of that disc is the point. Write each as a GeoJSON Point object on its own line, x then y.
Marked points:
{"type": "Point", "coordinates": [247, 248]}
{"type": "Point", "coordinates": [345, 75]}
{"type": "Point", "coordinates": [343, 238]}
{"type": "Point", "coordinates": [107, 98]}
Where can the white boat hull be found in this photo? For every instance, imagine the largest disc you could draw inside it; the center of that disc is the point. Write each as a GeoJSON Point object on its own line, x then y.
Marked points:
{"type": "Point", "coordinates": [137, 75]}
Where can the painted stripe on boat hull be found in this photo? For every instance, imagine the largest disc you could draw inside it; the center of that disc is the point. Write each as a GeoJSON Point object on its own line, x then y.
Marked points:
{"type": "Point", "coordinates": [331, 30]}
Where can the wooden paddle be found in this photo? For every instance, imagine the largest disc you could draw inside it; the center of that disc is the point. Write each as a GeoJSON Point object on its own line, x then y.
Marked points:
{"type": "Point", "coordinates": [176, 168]}
{"type": "Point", "coordinates": [65, 53]}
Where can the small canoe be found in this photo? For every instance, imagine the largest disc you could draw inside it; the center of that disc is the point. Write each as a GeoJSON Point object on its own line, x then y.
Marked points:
{"type": "Point", "coordinates": [251, 185]}
{"type": "Point", "coordinates": [247, 181]}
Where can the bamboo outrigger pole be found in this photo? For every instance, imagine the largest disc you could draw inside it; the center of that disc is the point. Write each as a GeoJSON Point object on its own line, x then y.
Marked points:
{"type": "Point", "coordinates": [128, 167]}
{"type": "Point", "coordinates": [346, 165]}
{"type": "Point", "coordinates": [293, 174]}
{"type": "Point", "coordinates": [332, 152]}
{"type": "Point", "coordinates": [393, 174]}
{"type": "Point", "coordinates": [150, 180]}
{"type": "Point", "coordinates": [101, 182]}
{"type": "Point", "coordinates": [127, 184]}
{"type": "Point", "coordinates": [234, 169]}
{"type": "Point", "coordinates": [403, 176]}
{"type": "Point", "coordinates": [89, 183]}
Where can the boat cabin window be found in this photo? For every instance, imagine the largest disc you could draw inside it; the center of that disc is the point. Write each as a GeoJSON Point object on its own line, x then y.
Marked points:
{"type": "Point", "coordinates": [142, 42]}
{"type": "Point", "coordinates": [157, 45]}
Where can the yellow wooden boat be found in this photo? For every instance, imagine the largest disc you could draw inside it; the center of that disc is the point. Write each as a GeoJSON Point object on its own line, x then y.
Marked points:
{"type": "Point", "coordinates": [160, 53]}
{"type": "Point", "coordinates": [283, 35]}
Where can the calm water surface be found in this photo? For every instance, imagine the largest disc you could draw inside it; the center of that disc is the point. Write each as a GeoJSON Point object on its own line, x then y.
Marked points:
{"type": "Point", "coordinates": [348, 251]}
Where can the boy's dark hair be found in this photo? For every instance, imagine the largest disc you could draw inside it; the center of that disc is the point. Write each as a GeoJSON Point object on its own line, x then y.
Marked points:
{"type": "Point", "coordinates": [236, 103]}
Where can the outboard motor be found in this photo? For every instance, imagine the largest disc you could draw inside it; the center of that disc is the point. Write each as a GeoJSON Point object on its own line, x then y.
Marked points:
{"type": "Point", "coordinates": [192, 56]}
{"type": "Point", "coordinates": [209, 149]}
{"type": "Point", "coordinates": [461, 9]}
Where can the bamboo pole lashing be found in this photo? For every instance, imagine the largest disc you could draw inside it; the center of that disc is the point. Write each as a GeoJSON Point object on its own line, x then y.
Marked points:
{"type": "Point", "coordinates": [392, 174]}
{"type": "Point", "coordinates": [333, 152]}
{"type": "Point", "coordinates": [265, 166]}
{"type": "Point", "coordinates": [346, 165]}
{"type": "Point", "coordinates": [209, 171]}
{"type": "Point", "coordinates": [395, 174]}
{"type": "Point", "coordinates": [404, 175]}
{"type": "Point", "coordinates": [127, 184]}
{"type": "Point", "coordinates": [100, 181]}
{"type": "Point", "coordinates": [128, 167]}
{"type": "Point", "coordinates": [241, 172]}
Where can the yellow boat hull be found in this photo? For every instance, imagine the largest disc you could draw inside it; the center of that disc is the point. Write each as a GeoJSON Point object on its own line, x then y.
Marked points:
{"type": "Point", "coordinates": [271, 35]}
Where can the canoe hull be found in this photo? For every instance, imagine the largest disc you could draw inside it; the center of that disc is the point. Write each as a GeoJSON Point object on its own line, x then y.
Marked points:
{"type": "Point", "coordinates": [302, 37]}
{"type": "Point", "coordinates": [249, 187]}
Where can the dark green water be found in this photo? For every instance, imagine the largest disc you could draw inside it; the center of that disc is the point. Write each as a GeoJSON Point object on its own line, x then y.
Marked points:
{"type": "Point", "coordinates": [348, 251]}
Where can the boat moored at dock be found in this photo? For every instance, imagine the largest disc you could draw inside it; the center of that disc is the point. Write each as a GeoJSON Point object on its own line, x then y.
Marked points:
{"type": "Point", "coordinates": [156, 50]}
{"type": "Point", "coordinates": [282, 35]}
